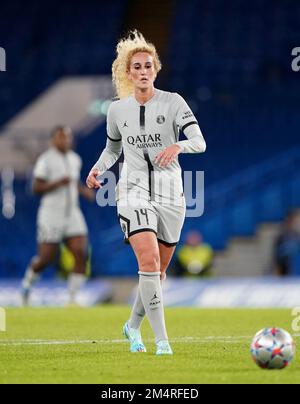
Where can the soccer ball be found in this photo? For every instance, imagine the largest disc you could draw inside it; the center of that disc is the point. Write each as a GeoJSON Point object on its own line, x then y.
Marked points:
{"type": "Point", "coordinates": [273, 348]}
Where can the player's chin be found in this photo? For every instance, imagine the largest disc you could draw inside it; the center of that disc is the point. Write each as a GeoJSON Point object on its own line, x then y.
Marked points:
{"type": "Point", "coordinates": [144, 85]}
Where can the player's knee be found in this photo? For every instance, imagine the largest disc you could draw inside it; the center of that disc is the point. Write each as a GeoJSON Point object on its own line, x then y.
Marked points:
{"type": "Point", "coordinates": [79, 253]}
{"type": "Point", "coordinates": [43, 261]}
{"type": "Point", "coordinates": [150, 262]}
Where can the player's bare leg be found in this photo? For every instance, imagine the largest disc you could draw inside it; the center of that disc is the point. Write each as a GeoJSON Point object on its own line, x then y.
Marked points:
{"type": "Point", "coordinates": [166, 253]}
{"type": "Point", "coordinates": [79, 248]}
{"type": "Point", "coordinates": [47, 256]}
{"type": "Point", "coordinates": [146, 249]}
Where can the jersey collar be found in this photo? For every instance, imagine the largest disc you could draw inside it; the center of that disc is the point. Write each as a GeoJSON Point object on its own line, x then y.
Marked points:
{"type": "Point", "coordinates": [148, 102]}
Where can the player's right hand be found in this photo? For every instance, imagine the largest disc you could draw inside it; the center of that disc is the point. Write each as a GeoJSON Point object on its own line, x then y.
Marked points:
{"type": "Point", "coordinates": [92, 181]}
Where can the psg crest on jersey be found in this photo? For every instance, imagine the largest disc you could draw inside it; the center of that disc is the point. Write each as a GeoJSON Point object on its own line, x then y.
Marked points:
{"type": "Point", "coordinates": [161, 119]}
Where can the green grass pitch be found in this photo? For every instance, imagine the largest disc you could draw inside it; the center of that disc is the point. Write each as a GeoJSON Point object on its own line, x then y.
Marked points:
{"type": "Point", "coordinates": [86, 346]}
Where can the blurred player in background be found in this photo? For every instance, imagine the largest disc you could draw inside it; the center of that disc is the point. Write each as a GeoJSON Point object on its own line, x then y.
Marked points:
{"type": "Point", "coordinates": [57, 180]}
{"type": "Point", "coordinates": [145, 122]}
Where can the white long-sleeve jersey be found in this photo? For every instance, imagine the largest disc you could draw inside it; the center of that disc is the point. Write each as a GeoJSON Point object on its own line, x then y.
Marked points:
{"type": "Point", "coordinates": [143, 131]}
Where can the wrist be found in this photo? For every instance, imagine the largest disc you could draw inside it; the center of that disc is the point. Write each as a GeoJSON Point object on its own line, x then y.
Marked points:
{"type": "Point", "coordinates": [180, 148]}
{"type": "Point", "coordinates": [94, 171]}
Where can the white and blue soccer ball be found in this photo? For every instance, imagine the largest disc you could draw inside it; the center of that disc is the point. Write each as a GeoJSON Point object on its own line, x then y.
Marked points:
{"type": "Point", "coordinates": [273, 348]}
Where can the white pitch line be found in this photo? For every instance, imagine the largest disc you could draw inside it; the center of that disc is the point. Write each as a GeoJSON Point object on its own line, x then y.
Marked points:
{"type": "Point", "coordinates": [200, 340]}
{"type": "Point", "coordinates": [52, 342]}
{"type": "Point", "coordinates": [118, 341]}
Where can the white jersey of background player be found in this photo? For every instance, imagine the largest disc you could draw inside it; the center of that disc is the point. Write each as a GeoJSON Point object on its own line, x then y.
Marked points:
{"type": "Point", "coordinates": [145, 123]}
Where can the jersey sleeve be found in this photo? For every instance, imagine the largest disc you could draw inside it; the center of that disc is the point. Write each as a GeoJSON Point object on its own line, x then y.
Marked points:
{"type": "Point", "coordinates": [113, 149]}
{"type": "Point", "coordinates": [113, 132]}
{"type": "Point", "coordinates": [40, 170]}
{"type": "Point", "coordinates": [184, 116]}
{"type": "Point", "coordinates": [188, 124]}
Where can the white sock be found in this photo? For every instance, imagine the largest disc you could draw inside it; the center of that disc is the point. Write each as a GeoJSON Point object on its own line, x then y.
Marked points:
{"type": "Point", "coordinates": [30, 278]}
{"type": "Point", "coordinates": [138, 311]}
{"type": "Point", "coordinates": [76, 281]}
{"type": "Point", "coordinates": [151, 295]}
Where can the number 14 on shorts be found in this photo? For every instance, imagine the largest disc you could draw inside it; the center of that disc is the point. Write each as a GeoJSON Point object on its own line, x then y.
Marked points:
{"type": "Point", "coordinates": [140, 213]}
{"type": "Point", "coordinates": [2, 320]}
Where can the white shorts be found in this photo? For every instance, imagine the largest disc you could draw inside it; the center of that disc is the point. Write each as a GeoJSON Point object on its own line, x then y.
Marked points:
{"type": "Point", "coordinates": [165, 220]}
{"type": "Point", "coordinates": [56, 226]}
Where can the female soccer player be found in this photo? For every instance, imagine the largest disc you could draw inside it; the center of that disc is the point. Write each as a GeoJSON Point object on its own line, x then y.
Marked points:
{"type": "Point", "coordinates": [57, 180]}
{"type": "Point", "coordinates": [145, 122]}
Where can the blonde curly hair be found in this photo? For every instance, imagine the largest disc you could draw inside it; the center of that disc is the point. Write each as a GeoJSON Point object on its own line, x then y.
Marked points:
{"type": "Point", "coordinates": [127, 47]}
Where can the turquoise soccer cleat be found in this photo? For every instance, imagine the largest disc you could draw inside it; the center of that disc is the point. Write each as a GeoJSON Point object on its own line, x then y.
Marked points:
{"type": "Point", "coordinates": [163, 348]}
{"type": "Point", "coordinates": [135, 339]}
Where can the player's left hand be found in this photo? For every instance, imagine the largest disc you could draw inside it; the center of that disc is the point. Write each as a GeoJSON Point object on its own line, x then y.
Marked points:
{"type": "Point", "coordinates": [167, 156]}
